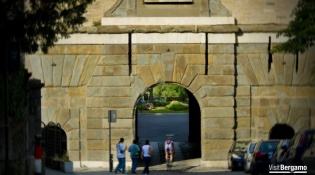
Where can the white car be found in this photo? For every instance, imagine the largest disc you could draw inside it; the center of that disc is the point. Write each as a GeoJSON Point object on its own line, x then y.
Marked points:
{"type": "Point", "coordinates": [248, 156]}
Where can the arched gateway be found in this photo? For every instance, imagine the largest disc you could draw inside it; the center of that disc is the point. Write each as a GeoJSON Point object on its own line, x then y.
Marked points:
{"type": "Point", "coordinates": [241, 89]}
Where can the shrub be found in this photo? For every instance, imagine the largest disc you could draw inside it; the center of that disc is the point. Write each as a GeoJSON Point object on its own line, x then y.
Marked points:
{"type": "Point", "coordinates": [177, 106]}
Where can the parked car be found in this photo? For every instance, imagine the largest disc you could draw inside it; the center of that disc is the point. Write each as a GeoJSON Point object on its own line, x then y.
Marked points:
{"type": "Point", "coordinates": [263, 151]}
{"type": "Point", "coordinates": [248, 156]}
{"type": "Point", "coordinates": [236, 155]}
{"type": "Point", "coordinates": [280, 152]}
{"type": "Point", "coordinates": [308, 158]}
{"type": "Point", "coordinates": [297, 146]}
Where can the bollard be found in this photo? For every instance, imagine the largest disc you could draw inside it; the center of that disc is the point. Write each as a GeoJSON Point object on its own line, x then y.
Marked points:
{"type": "Point", "coordinates": [38, 155]}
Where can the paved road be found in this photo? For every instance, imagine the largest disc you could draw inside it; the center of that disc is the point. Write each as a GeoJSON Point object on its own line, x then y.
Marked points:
{"type": "Point", "coordinates": [155, 126]}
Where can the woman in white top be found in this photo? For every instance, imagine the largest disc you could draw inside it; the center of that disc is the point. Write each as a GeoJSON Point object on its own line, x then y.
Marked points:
{"type": "Point", "coordinates": [146, 156]}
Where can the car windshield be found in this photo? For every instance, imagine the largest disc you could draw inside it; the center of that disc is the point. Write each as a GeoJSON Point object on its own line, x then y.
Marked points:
{"type": "Point", "coordinates": [268, 146]}
{"type": "Point", "coordinates": [240, 146]}
{"type": "Point", "coordinates": [251, 147]}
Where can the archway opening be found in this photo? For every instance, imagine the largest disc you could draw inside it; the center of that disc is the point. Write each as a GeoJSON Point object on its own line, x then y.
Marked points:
{"type": "Point", "coordinates": [281, 131]}
{"type": "Point", "coordinates": [169, 110]}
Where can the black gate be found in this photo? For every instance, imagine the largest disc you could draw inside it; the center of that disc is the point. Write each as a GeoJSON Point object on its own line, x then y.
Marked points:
{"type": "Point", "coordinates": [55, 141]}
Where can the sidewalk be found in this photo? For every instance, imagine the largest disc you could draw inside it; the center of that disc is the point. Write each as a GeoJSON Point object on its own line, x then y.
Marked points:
{"type": "Point", "coordinates": [155, 170]}
{"type": "Point", "coordinates": [180, 166]}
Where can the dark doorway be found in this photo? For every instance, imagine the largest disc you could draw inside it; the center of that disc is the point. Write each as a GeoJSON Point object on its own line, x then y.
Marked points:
{"type": "Point", "coordinates": [281, 131]}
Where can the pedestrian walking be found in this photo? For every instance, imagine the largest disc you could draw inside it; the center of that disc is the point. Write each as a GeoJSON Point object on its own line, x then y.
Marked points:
{"type": "Point", "coordinates": [121, 156]}
{"type": "Point", "coordinates": [134, 155]}
{"type": "Point", "coordinates": [146, 154]}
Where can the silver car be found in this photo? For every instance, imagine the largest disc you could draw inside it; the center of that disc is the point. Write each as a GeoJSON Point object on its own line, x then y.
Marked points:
{"type": "Point", "coordinates": [248, 156]}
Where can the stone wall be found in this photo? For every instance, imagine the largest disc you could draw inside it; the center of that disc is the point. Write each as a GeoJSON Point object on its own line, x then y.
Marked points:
{"type": "Point", "coordinates": [238, 98]}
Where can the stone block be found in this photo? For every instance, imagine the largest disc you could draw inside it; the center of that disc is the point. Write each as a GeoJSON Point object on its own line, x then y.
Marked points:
{"type": "Point", "coordinates": [116, 70]}
{"type": "Point", "coordinates": [96, 112]}
{"type": "Point", "coordinates": [193, 49]}
{"type": "Point", "coordinates": [96, 134]}
{"type": "Point", "coordinates": [223, 133]}
{"type": "Point", "coordinates": [95, 82]}
{"type": "Point", "coordinates": [77, 102]}
{"type": "Point", "coordinates": [242, 101]}
{"type": "Point", "coordinates": [71, 124]}
{"type": "Point", "coordinates": [73, 135]}
{"type": "Point", "coordinates": [216, 91]}
{"type": "Point", "coordinates": [95, 123]}
{"type": "Point", "coordinates": [218, 154]}
{"type": "Point", "coordinates": [94, 102]}
{"type": "Point", "coordinates": [191, 72]}
{"type": "Point", "coordinates": [221, 70]}
{"type": "Point", "coordinates": [242, 133]}
{"type": "Point", "coordinates": [96, 145]}
{"type": "Point", "coordinates": [115, 81]}
{"type": "Point", "coordinates": [47, 66]}
{"type": "Point", "coordinates": [117, 49]}
{"type": "Point", "coordinates": [218, 101]}
{"type": "Point", "coordinates": [221, 48]}
{"type": "Point", "coordinates": [243, 111]}
{"type": "Point", "coordinates": [106, 60]}
{"type": "Point", "coordinates": [258, 68]}
{"type": "Point", "coordinates": [77, 92]}
{"type": "Point", "coordinates": [95, 92]}
{"type": "Point", "coordinates": [73, 145]}
{"type": "Point", "coordinates": [210, 112]}
{"type": "Point", "coordinates": [219, 123]}
{"type": "Point", "coordinates": [212, 80]}
{"type": "Point", "coordinates": [172, 48]}
{"type": "Point", "coordinates": [87, 70]}
{"type": "Point", "coordinates": [252, 48]}
{"type": "Point", "coordinates": [144, 72]}
{"type": "Point", "coordinates": [210, 144]}
{"type": "Point", "coordinates": [116, 102]}
{"type": "Point", "coordinates": [243, 122]}
{"type": "Point", "coordinates": [64, 116]}
{"type": "Point", "coordinates": [116, 91]}
{"type": "Point", "coordinates": [147, 59]}
{"type": "Point", "coordinates": [97, 155]}
{"type": "Point", "coordinates": [242, 80]}
{"type": "Point", "coordinates": [246, 67]}
{"type": "Point", "coordinates": [243, 90]}
{"type": "Point", "coordinates": [74, 155]}
{"type": "Point", "coordinates": [223, 59]}
{"type": "Point", "coordinates": [54, 92]}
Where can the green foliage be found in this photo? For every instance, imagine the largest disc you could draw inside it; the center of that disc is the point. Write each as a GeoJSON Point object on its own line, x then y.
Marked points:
{"type": "Point", "coordinates": [301, 31]}
{"type": "Point", "coordinates": [160, 103]}
{"type": "Point", "coordinates": [97, 23]}
{"type": "Point", "coordinates": [17, 94]}
{"type": "Point", "coordinates": [177, 106]}
{"type": "Point", "coordinates": [39, 23]}
{"type": "Point", "coordinates": [170, 90]}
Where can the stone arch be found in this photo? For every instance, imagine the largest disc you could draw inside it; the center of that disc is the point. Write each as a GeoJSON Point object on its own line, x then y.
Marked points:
{"type": "Point", "coordinates": [281, 131]}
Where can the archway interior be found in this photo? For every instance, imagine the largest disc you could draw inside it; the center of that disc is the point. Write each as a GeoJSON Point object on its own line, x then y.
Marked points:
{"type": "Point", "coordinates": [184, 126]}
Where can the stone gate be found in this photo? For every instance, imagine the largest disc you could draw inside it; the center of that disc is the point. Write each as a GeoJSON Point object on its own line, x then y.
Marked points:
{"type": "Point", "coordinates": [224, 61]}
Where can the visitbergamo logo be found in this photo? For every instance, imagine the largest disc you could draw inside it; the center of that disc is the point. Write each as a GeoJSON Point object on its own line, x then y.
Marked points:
{"type": "Point", "coordinates": [287, 169]}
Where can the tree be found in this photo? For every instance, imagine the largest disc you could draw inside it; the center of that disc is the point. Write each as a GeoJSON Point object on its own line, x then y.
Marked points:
{"type": "Point", "coordinates": [39, 23]}
{"type": "Point", "coordinates": [301, 30]}
{"type": "Point", "coordinates": [170, 90]}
